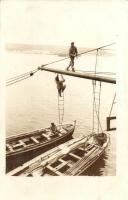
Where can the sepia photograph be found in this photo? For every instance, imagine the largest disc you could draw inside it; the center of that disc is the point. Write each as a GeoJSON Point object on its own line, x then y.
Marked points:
{"type": "Point", "coordinates": [60, 79]}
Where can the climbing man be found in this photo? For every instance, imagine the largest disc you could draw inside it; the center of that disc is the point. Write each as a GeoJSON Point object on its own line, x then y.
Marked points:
{"type": "Point", "coordinates": [72, 54]}
{"type": "Point", "coordinates": [60, 86]}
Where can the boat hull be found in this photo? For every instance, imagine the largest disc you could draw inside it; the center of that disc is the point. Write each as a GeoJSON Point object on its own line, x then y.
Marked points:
{"type": "Point", "coordinates": [15, 159]}
{"type": "Point", "coordinates": [72, 159]}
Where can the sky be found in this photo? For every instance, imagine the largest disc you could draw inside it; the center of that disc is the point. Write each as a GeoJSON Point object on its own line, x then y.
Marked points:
{"type": "Point", "coordinates": [87, 23]}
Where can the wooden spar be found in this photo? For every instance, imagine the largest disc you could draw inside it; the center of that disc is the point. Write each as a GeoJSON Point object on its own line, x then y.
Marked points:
{"type": "Point", "coordinates": [80, 75]}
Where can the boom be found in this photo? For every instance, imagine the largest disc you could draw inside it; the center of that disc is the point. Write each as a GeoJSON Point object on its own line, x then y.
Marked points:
{"type": "Point", "coordinates": [80, 75]}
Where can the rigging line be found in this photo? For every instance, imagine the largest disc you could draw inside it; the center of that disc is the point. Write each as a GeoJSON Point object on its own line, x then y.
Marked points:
{"type": "Point", "coordinates": [8, 84]}
{"type": "Point", "coordinates": [99, 108]}
{"type": "Point", "coordinates": [97, 114]}
{"type": "Point", "coordinates": [110, 73]}
{"type": "Point", "coordinates": [27, 73]}
{"type": "Point", "coordinates": [20, 78]}
{"type": "Point", "coordinates": [61, 108]}
{"type": "Point", "coordinates": [78, 55]}
{"type": "Point", "coordinates": [16, 79]}
{"type": "Point", "coordinates": [95, 109]}
{"type": "Point", "coordinates": [93, 106]}
{"type": "Point", "coordinates": [96, 48]}
{"type": "Point", "coordinates": [94, 88]}
{"type": "Point", "coordinates": [96, 61]}
{"type": "Point", "coordinates": [22, 75]}
{"type": "Point", "coordinates": [94, 101]}
{"type": "Point", "coordinates": [112, 104]}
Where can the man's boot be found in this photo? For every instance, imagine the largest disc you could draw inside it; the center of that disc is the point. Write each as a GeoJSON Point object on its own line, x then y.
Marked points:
{"type": "Point", "coordinates": [73, 69]}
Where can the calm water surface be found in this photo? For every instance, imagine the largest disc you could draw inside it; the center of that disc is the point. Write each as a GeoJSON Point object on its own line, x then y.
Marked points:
{"type": "Point", "coordinates": [32, 103]}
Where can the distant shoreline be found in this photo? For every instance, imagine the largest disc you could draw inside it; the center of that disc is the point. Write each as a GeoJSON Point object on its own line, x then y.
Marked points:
{"type": "Point", "coordinates": [61, 51]}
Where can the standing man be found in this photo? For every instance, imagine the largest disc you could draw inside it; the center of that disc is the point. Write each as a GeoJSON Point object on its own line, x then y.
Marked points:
{"type": "Point", "coordinates": [72, 54]}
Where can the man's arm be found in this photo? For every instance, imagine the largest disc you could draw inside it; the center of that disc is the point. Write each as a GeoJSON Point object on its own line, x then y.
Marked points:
{"type": "Point", "coordinates": [70, 51]}
{"type": "Point", "coordinates": [62, 78]}
{"type": "Point", "coordinates": [76, 52]}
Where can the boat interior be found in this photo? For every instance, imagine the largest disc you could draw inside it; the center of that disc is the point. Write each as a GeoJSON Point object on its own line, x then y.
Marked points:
{"type": "Point", "coordinates": [33, 139]}
{"type": "Point", "coordinates": [69, 163]}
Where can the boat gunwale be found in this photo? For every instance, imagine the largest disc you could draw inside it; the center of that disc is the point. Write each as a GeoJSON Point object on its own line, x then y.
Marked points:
{"type": "Point", "coordinates": [37, 131]}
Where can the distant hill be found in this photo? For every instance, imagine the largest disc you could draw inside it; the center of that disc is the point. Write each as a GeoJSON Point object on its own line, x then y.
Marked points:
{"type": "Point", "coordinates": [48, 49]}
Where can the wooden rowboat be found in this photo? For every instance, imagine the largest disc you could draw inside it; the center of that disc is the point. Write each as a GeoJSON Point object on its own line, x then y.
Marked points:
{"type": "Point", "coordinates": [23, 147]}
{"type": "Point", "coordinates": [26, 142]}
{"type": "Point", "coordinates": [70, 159]}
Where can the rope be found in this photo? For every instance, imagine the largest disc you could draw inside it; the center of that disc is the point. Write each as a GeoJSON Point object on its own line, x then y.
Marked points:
{"type": "Point", "coordinates": [61, 108]}
{"type": "Point", "coordinates": [92, 72]}
{"type": "Point", "coordinates": [99, 109]}
{"type": "Point", "coordinates": [21, 77]}
{"type": "Point", "coordinates": [78, 55]}
{"type": "Point", "coordinates": [112, 104]}
{"type": "Point", "coordinates": [95, 109]}
{"type": "Point", "coordinates": [26, 75]}
{"type": "Point", "coordinates": [94, 87]}
{"type": "Point", "coordinates": [13, 82]}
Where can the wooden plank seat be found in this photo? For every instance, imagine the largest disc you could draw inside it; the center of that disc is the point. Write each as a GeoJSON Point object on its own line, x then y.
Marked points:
{"type": "Point", "coordinates": [63, 163]}
{"type": "Point", "coordinates": [81, 148]}
{"type": "Point", "coordinates": [46, 136]}
{"type": "Point", "coordinates": [62, 131]}
{"type": "Point", "coordinates": [50, 133]}
{"type": "Point", "coordinates": [66, 162]}
{"type": "Point", "coordinates": [97, 146]}
{"type": "Point", "coordinates": [84, 149]}
{"type": "Point", "coordinates": [61, 160]}
{"type": "Point", "coordinates": [22, 143]}
{"type": "Point", "coordinates": [34, 140]}
{"type": "Point", "coordinates": [54, 171]}
{"type": "Point", "coordinates": [9, 147]}
{"type": "Point", "coordinates": [69, 164]}
{"type": "Point", "coordinates": [75, 156]}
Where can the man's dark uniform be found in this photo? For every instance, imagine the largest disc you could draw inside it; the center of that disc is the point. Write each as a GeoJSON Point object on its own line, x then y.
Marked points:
{"type": "Point", "coordinates": [72, 54]}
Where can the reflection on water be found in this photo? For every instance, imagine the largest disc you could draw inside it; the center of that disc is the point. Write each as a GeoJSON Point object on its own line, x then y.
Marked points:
{"type": "Point", "coordinates": [32, 104]}
{"type": "Point", "coordinates": [97, 168]}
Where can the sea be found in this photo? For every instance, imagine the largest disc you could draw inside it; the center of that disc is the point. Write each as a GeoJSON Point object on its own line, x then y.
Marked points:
{"type": "Point", "coordinates": [33, 103]}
